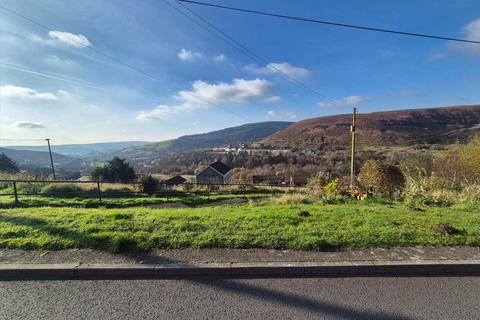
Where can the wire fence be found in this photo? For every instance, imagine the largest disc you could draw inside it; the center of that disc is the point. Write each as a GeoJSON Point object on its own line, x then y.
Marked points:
{"type": "Point", "coordinates": [101, 190]}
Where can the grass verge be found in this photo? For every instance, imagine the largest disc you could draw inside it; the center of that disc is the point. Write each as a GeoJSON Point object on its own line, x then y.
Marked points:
{"type": "Point", "coordinates": [264, 225]}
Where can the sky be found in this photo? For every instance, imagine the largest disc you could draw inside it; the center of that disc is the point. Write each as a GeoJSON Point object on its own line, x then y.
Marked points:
{"type": "Point", "coordinates": [118, 70]}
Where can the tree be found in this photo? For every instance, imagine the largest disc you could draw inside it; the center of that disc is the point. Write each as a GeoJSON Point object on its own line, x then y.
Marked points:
{"type": "Point", "coordinates": [7, 164]}
{"type": "Point", "coordinates": [115, 170]}
{"type": "Point", "coordinates": [149, 184]}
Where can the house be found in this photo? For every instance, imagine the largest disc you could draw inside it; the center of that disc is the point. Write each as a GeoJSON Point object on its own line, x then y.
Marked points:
{"type": "Point", "coordinates": [175, 181]}
{"type": "Point", "coordinates": [216, 173]}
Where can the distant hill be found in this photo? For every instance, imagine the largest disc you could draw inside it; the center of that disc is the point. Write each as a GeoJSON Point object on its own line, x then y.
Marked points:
{"type": "Point", "coordinates": [38, 158]}
{"type": "Point", "coordinates": [220, 138]}
{"type": "Point", "coordinates": [82, 149]}
{"type": "Point", "coordinates": [390, 128]}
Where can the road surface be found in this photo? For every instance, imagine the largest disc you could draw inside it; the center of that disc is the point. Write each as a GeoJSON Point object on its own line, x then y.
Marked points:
{"type": "Point", "coordinates": [343, 298]}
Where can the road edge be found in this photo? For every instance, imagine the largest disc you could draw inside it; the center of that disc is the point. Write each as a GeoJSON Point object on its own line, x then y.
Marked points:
{"type": "Point", "coordinates": [15, 272]}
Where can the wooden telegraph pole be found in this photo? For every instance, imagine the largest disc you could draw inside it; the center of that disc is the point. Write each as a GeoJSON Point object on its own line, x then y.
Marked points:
{"type": "Point", "coordinates": [51, 159]}
{"type": "Point", "coordinates": [352, 161]}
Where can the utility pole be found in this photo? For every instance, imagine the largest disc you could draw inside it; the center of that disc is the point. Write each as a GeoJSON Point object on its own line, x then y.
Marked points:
{"type": "Point", "coordinates": [352, 161]}
{"type": "Point", "coordinates": [51, 159]}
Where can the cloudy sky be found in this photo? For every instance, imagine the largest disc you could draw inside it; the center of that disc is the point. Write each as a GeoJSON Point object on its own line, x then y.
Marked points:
{"type": "Point", "coordinates": [99, 70]}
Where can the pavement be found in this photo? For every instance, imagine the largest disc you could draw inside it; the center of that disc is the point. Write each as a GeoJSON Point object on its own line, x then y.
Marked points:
{"type": "Point", "coordinates": [206, 256]}
{"type": "Point", "coordinates": [312, 298]}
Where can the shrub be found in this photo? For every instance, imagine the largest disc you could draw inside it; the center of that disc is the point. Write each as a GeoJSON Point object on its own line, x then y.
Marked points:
{"type": "Point", "coordinates": [66, 190]}
{"type": "Point", "coordinates": [381, 179]}
{"type": "Point", "coordinates": [417, 165]}
{"type": "Point", "coordinates": [149, 185]}
{"type": "Point", "coordinates": [460, 164]}
{"type": "Point", "coordinates": [470, 161]}
{"type": "Point", "coordinates": [316, 182]}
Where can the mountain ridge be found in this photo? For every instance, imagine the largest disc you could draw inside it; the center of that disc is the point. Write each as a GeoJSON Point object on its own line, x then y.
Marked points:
{"type": "Point", "coordinates": [443, 125]}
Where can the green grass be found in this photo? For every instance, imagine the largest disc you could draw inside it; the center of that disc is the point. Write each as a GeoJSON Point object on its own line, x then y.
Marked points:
{"type": "Point", "coordinates": [129, 200]}
{"type": "Point", "coordinates": [254, 225]}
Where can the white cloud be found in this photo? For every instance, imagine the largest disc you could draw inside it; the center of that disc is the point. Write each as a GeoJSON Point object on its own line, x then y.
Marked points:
{"type": "Point", "coordinates": [29, 94]}
{"type": "Point", "coordinates": [239, 91]}
{"type": "Point", "coordinates": [62, 38]}
{"type": "Point", "coordinates": [28, 125]}
{"type": "Point", "coordinates": [471, 32]}
{"type": "Point", "coordinates": [276, 115]}
{"type": "Point", "coordinates": [350, 101]}
{"type": "Point", "coordinates": [70, 39]}
{"type": "Point", "coordinates": [283, 67]}
{"type": "Point", "coordinates": [188, 55]}
{"type": "Point", "coordinates": [220, 58]}
{"type": "Point", "coordinates": [161, 112]}
{"type": "Point", "coordinates": [273, 99]}
{"type": "Point", "coordinates": [203, 94]}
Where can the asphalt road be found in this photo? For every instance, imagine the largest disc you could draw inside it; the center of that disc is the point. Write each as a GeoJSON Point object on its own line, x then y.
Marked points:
{"type": "Point", "coordinates": [344, 298]}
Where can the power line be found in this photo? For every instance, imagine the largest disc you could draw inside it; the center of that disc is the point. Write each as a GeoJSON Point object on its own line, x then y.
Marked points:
{"type": "Point", "coordinates": [332, 23]}
{"type": "Point", "coordinates": [129, 66]}
{"type": "Point", "coordinates": [73, 80]}
{"type": "Point", "coordinates": [243, 49]}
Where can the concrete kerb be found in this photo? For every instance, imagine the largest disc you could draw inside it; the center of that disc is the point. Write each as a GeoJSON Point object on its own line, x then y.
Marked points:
{"type": "Point", "coordinates": [238, 270]}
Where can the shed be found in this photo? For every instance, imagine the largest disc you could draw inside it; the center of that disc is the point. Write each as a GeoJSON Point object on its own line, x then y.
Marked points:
{"type": "Point", "coordinates": [175, 181]}
{"type": "Point", "coordinates": [216, 173]}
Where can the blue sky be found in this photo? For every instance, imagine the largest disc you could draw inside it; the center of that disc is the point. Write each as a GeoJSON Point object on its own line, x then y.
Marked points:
{"type": "Point", "coordinates": [195, 83]}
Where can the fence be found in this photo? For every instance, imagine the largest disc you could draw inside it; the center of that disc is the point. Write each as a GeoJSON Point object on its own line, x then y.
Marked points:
{"type": "Point", "coordinates": [23, 188]}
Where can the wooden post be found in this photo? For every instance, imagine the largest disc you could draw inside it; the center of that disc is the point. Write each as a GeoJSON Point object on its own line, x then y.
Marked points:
{"type": "Point", "coordinates": [352, 161]}
{"type": "Point", "coordinates": [15, 191]}
{"type": "Point", "coordinates": [99, 192]}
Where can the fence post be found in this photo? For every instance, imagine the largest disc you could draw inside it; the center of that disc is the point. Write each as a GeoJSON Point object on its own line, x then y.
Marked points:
{"type": "Point", "coordinates": [15, 191]}
{"type": "Point", "coordinates": [99, 192]}
{"type": "Point", "coordinates": [166, 191]}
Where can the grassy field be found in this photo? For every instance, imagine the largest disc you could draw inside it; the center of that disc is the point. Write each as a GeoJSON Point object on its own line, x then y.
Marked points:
{"type": "Point", "coordinates": [128, 200]}
{"type": "Point", "coordinates": [253, 225]}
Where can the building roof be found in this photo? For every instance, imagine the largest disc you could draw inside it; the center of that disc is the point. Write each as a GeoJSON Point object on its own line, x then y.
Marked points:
{"type": "Point", "coordinates": [219, 166]}
{"type": "Point", "coordinates": [175, 180]}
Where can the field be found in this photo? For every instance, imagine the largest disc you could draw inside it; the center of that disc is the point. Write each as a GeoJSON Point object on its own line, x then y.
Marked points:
{"type": "Point", "coordinates": [257, 224]}
{"type": "Point", "coordinates": [125, 199]}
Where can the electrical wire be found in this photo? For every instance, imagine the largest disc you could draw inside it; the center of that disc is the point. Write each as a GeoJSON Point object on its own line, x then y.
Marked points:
{"type": "Point", "coordinates": [332, 23]}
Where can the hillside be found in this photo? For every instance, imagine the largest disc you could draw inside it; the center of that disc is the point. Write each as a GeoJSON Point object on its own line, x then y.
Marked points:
{"type": "Point", "coordinates": [390, 128]}
{"type": "Point", "coordinates": [82, 149]}
{"type": "Point", "coordinates": [38, 158]}
{"type": "Point", "coordinates": [220, 138]}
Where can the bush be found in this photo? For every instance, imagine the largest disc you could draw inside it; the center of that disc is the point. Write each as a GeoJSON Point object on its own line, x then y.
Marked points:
{"type": "Point", "coordinates": [439, 192]}
{"type": "Point", "coordinates": [149, 185]}
{"type": "Point", "coordinates": [415, 166]}
{"type": "Point", "coordinates": [316, 182]}
{"type": "Point", "coordinates": [381, 179]}
{"type": "Point", "coordinates": [66, 190]}
{"type": "Point", "coordinates": [460, 164]}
